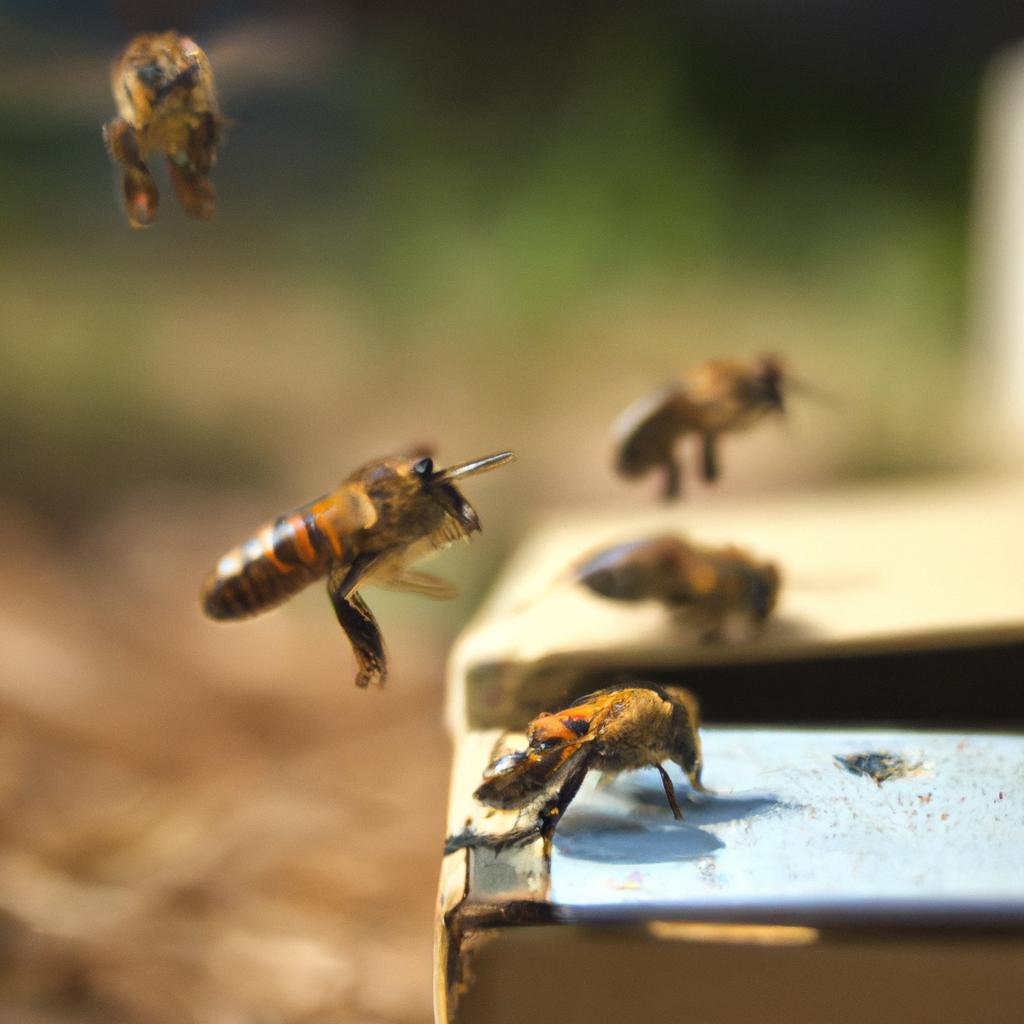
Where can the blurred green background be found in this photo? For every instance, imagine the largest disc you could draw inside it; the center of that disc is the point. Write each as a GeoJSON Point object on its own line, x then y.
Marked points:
{"type": "Point", "coordinates": [472, 226]}
{"type": "Point", "coordinates": [432, 224]}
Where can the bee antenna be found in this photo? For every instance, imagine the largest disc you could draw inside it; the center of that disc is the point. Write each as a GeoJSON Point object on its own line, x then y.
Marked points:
{"type": "Point", "coordinates": [820, 396]}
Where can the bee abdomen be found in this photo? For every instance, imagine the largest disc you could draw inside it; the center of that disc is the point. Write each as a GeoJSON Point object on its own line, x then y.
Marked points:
{"type": "Point", "coordinates": [273, 565]}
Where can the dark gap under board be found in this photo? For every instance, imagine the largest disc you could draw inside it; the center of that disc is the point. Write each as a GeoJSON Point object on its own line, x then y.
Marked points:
{"type": "Point", "coordinates": [977, 687]}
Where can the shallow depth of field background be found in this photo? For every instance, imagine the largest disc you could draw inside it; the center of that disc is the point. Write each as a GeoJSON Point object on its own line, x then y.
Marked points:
{"type": "Point", "coordinates": [478, 228]}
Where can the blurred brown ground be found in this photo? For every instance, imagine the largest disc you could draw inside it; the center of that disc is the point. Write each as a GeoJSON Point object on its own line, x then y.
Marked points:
{"type": "Point", "coordinates": [204, 823]}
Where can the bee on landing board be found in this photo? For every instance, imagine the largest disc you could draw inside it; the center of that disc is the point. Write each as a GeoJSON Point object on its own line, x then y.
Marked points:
{"type": "Point", "coordinates": [724, 592]}
{"type": "Point", "coordinates": [611, 731]}
{"type": "Point", "coordinates": [163, 88]}
{"type": "Point", "coordinates": [717, 397]}
{"type": "Point", "coordinates": [382, 520]}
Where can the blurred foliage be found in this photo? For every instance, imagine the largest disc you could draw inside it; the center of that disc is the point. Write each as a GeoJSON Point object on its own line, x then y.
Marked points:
{"type": "Point", "coordinates": [481, 183]}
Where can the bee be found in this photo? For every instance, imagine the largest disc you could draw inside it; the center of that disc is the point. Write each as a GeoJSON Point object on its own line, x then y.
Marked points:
{"type": "Point", "coordinates": [725, 591]}
{"type": "Point", "coordinates": [384, 518]}
{"type": "Point", "coordinates": [717, 397]}
{"type": "Point", "coordinates": [164, 91]}
{"type": "Point", "coordinates": [613, 730]}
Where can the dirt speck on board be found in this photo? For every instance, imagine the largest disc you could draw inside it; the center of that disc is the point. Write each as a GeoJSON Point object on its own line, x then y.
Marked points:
{"type": "Point", "coordinates": [878, 765]}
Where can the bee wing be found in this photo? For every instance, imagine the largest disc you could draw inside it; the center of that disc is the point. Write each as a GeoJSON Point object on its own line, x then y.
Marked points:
{"type": "Point", "coordinates": [805, 389]}
{"type": "Point", "coordinates": [279, 52]}
{"type": "Point", "coordinates": [520, 778]}
{"type": "Point", "coordinates": [643, 410]}
{"type": "Point", "coordinates": [561, 743]}
{"type": "Point", "coordinates": [356, 619]}
{"type": "Point", "coordinates": [282, 53]}
{"type": "Point", "coordinates": [422, 583]}
{"type": "Point", "coordinates": [605, 558]}
{"type": "Point", "coordinates": [599, 699]}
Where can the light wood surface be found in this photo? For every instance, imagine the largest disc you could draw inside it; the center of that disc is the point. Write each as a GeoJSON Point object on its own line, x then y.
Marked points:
{"type": "Point", "coordinates": [882, 568]}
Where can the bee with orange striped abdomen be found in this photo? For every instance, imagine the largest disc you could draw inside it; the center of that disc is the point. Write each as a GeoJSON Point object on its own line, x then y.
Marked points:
{"type": "Point", "coordinates": [611, 731]}
{"type": "Point", "coordinates": [724, 592]}
{"type": "Point", "coordinates": [383, 519]}
{"type": "Point", "coordinates": [718, 397]}
{"type": "Point", "coordinates": [163, 87]}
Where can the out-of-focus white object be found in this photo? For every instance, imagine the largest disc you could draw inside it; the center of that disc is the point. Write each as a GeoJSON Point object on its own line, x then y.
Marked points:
{"type": "Point", "coordinates": [997, 385]}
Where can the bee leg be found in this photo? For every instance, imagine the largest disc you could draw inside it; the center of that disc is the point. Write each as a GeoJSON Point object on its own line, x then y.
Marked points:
{"type": "Point", "coordinates": [121, 142]}
{"type": "Point", "coordinates": [693, 777]}
{"type": "Point", "coordinates": [139, 189]}
{"type": "Point", "coordinates": [670, 793]}
{"type": "Point", "coordinates": [470, 839]}
{"type": "Point", "coordinates": [359, 624]}
{"type": "Point", "coordinates": [547, 848]}
{"type": "Point", "coordinates": [516, 837]}
{"type": "Point", "coordinates": [736, 627]}
{"type": "Point", "coordinates": [190, 169]}
{"type": "Point", "coordinates": [709, 457]}
{"type": "Point", "coordinates": [467, 839]}
{"type": "Point", "coordinates": [672, 487]}
{"type": "Point", "coordinates": [554, 809]}
{"type": "Point", "coordinates": [544, 824]}
{"type": "Point", "coordinates": [195, 192]}
{"type": "Point", "coordinates": [364, 634]}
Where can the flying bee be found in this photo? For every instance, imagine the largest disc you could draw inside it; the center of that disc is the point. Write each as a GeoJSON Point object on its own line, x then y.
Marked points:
{"type": "Point", "coordinates": [724, 591]}
{"type": "Point", "coordinates": [384, 518]}
{"type": "Point", "coordinates": [715, 398]}
{"type": "Point", "coordinates": [611, 731]}
{"type": "Point", "coordinates": [163, 87]}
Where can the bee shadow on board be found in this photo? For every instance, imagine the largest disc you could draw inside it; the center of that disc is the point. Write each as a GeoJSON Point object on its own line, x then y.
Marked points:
{"type": "Point", "coordinates": [791, 629]}
{"type": "Point", "coordinates": [622, 824]}
{"type": "Point", "coordinates": [782, 630]}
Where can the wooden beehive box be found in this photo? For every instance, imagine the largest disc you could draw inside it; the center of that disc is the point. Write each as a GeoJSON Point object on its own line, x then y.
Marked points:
{"type": "Point", "coordinates": [901, 631]}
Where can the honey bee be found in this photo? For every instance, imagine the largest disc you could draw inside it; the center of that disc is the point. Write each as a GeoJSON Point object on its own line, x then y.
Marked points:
{"type": "Point", "coordinates": [164, 90]}
{"type": "Point", "coordinates": [385, 517]}
{"type": "Point", "coordinates": [611, 731]}
{"type": "Point", "coordinates": [717, 397]}
{"type": "Point", "coordinates": [724, 591]}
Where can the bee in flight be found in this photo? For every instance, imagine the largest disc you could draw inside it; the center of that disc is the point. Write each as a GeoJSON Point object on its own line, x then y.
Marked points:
{"type": "Point", "coordinates": [383, 519]}
{"type": "Point", "coordinates": [724, 591]}
{"type": "Point", "coordinates": [611, 731]}
{"type": "Point", "coordinates": [715, 398]}
{"type": "Point", "coordinates": [163, 88]}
